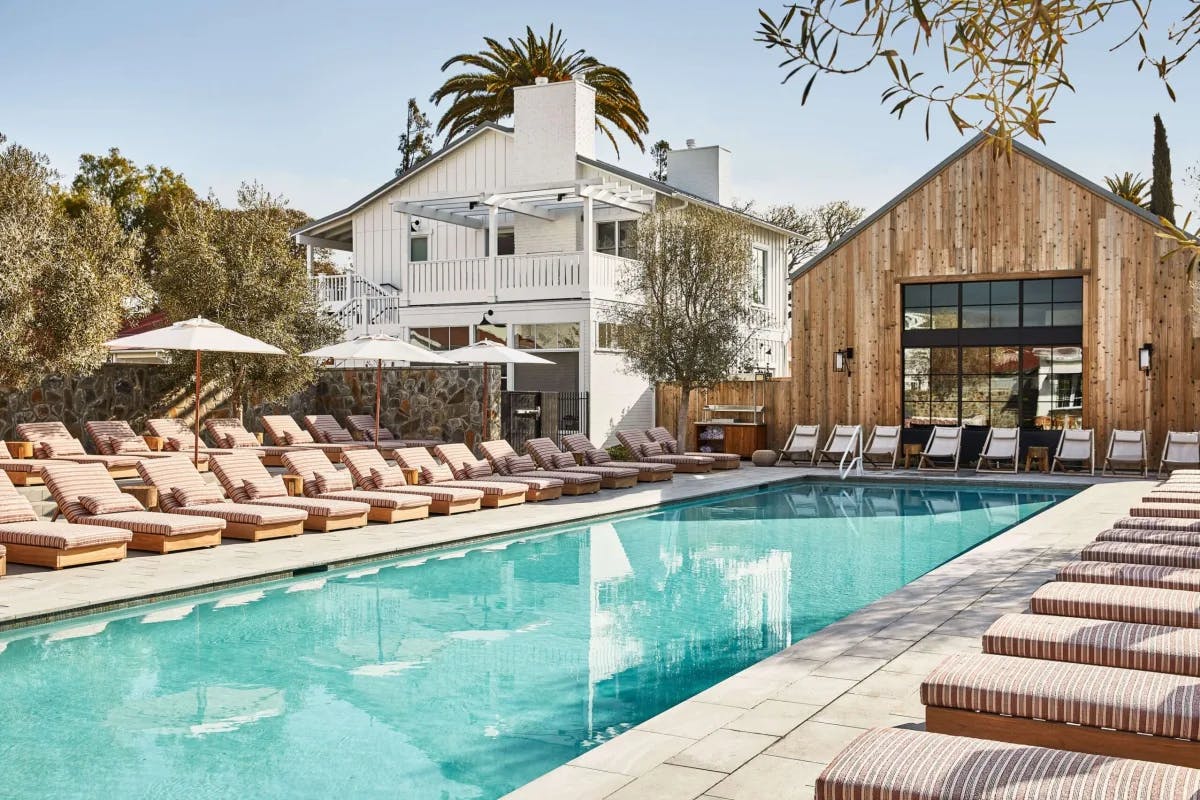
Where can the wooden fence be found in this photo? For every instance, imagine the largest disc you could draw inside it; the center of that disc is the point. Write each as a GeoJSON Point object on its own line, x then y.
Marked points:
{"type": "Point", "coordinates": [775, 394]}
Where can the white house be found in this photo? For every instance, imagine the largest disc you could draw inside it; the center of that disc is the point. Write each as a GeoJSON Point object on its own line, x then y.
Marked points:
{"type": "Point", "coordinates": [519, 235]}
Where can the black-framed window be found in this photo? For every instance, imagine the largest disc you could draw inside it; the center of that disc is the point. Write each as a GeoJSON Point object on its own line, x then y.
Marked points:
{"type": "Point", "coordinates": [1002, 353]}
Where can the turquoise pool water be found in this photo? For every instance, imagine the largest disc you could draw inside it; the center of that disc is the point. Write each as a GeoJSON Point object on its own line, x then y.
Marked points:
{"type": "Point", "coordinates": [460, 673]}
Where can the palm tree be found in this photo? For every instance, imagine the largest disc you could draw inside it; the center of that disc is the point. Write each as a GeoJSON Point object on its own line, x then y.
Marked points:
{"type": "Point", "coordinates": [485, 94]}
{"type": "Point", "coordinates": [1129, 187]}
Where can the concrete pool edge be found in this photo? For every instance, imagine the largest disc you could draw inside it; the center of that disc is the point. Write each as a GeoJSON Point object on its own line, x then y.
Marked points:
{"type": "Point", "coordinates": [773, 726]}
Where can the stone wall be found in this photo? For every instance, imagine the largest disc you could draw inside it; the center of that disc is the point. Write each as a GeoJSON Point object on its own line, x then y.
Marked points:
{"type": "Point", "coordinates": [442, 403]}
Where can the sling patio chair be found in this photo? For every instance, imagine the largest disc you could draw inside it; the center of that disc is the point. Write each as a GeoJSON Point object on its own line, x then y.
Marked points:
{"type": "Point", "coordinates": [231, 435]}
{"type": "Point", "coordinates": [87, 495]}
{"type": "Point", "coordinates": [465, 466]}
{"type": "Point", "coordinates": [648, 471]}
{"type": "Point", "coordinates": [642, 448]}
{"type": "Point", "coordinates": [324, 481]}
{"type": "Point", "coordinates": [1000, 450]}
{"type": "Point", "coordinates": [27, 539]}
{"type": "Point", "coordinates": [179, 438]}
{"type": "Point", "coordinates": [801, 444]}
{"type": "Point", "coordinates": [843, 440]}
{"type": "Point", "coordinates": [1126, 713]}
{"type": "Point", "coordinates": [183, 490]}
{"type": "Point", "coordinates": [53, 440]}
{"type": "Point", "coordinates": [1126, 453]}
{"type": "Point", "coordinates": [371, 472]}
{"type": "Point", "coordinates": [506, 462]}
{"type": "Point", "coordinates": [1076, 448]}
{"type": "Point", "coordinates": [114, 437]}
{"type": "Point", "coordinates": [670, 445]}
{"type": "Point", "coordinates": [884, 447]}
{"type": "Point", "coordinates": [1181, 450]}
{"type": "Point", "coordinates": [1147, 575]}
{"type": "Point", "coordinates": [363, 428]}
{"type": "Point", "coordinates": [283, 430]}
{"type": "Point", "coordinates": [496, 494]}
{"type": "Point", "coordinates": [246, 480]}
{"type": "Point", "coordinates": [942, 451]}
{"type": "Point", "coordinates": [893, 763]}
{"type": "Point", "coordinates": [547, 456]}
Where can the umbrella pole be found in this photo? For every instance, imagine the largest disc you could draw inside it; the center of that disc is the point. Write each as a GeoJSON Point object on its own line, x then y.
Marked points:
{"type": "Point", "coordinates": [196, 413]}
{"type": "Point", "coordinates": [378, 380]}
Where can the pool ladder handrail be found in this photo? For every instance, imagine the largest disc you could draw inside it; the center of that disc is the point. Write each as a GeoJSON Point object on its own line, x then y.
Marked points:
{"type": "Point", "coordinates": [855, 448]}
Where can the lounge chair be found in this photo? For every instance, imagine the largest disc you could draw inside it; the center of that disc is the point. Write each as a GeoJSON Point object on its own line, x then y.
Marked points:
{"type": "Point", "coordinates": [1103, 710]}
{"type": "Point", "coordinates": [884, 447]}
{"type": "Point", "coordinates": [1126, 453]}
{"type": "Point", "coordinates": [183, 490]}
{"type": "Point", "coordinates": [363, 427]}
{"type": "Point", "coordinates": [1129, 645]}
{"type": "Point", "coordinates": [179, 438]}
{"type": "Point", "coordinates": [23, 471]}
{"type": "Point", "coordinates": [648, 471]}
{"type": "Point", "coordinates": [284, 431]}
{"type": "Point", "coordinates": [1159, 555]}
{"type": "Point", "coordinates": [640, 447]}
{"type": "Point", "coordinates": [1171, 607]}
{"type": "Point", "coordinates": [941, 451]}
{"type": "Point", "coordinates": [372, 473]}
{"type": "Point", "coordinates": [52, 440]}
{"type": "Point", "coordinates": [547, 456]}
{"type": "Point", "coordinates": [893, 763]}
{"type": "Point", "coordinates": [505, 461]}
{"type": "Point", "coordinates": [496, 494]}
{"type": "Point", "coordinates": [323, 481]}
{"type": "Point", "coordinates": [117, 438]}
{"type": "Point", "coordinates": [842, 439]}
{"type": "Point", "coordinates": [325, 429]}
{"type": "Point", "coordinates": [1076, 448]}
{"type": "Point", "coordinates": [1000, 450]}
{"type": "Point", "coordinates": [87, 495]}
{"type": "Point", "coordinates": [231, 435]}
{"type": "Point", "coordinates": [670, 445]}
{"type": "Point", "coordinates": [465, 466]}
{"type": "Point", "coordinates": [1181, 450]}
{"type": "Point", "coordinates": [26, 539]}
{"type": "Point", "coordinates": [1108, 572]}
{"type": "Point", "coordinates": [246, 480]}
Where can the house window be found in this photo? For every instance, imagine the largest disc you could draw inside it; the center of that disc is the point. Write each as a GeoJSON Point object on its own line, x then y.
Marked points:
{"type": "Point", "coordinates": [547, 336]}
{"type": "Point", "coordinates": [617, 238]}
{"type": "Point", "coordinates": [497, 333]}
{"type": "Point", "coordinates": [506, 242]}
{"type": "Point", "coordinates": [1000, 353]}
{"type": "Point", "coordinates": [440, 338]}
{"type": "Point", "coordinates": [608, 336]}
{"type": "Point", "coordinates": [761, 258]}
{"type": "Point", "coordinates": [418, 248]}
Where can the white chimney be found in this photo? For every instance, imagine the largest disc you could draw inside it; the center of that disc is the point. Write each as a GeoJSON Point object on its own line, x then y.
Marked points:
{"type": "Point", "coordinates": [552, 122]}
{"type": "Point", "coordinates": [703, 171]}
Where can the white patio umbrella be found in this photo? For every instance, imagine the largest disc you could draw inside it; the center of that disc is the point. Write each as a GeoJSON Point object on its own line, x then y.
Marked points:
{"type": "Point", "coordinates": [379, 348]}
{"type": "Point", "coordinates": [199, 335]}
{"type": "Point", "coordinates": [488, 352]}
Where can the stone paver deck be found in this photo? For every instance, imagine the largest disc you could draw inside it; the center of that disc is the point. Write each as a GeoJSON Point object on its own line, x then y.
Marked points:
{"type": "Point", "coordinates": [769, 730]}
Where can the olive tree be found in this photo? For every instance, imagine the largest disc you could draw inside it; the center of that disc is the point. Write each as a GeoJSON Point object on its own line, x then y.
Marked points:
{"type": "Point", "coordinates": [689, 308]}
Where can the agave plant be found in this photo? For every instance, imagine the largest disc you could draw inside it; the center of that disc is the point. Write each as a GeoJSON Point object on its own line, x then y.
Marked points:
{"type": "Point", "coordinates": [485, 93]}
{"type": "Point", "coordinates": [1129, 187]}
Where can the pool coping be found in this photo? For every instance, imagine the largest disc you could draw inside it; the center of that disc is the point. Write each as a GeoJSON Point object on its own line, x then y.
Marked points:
{"type": "Point", "coordinates": [771, 728]}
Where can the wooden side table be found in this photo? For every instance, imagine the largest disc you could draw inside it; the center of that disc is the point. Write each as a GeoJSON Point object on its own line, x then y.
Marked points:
{"type": "Point", "coordinates": [146, 495]}
{"type": "Point", "coordinates": [155, 443]}
{"type": "Point", "coordinates": [294, 484]}
{"type": "Point", "coordinates": [911, 450]}
{"type": "Point", "coordinates": [20, 449]}
{"type": "Point", "coordinates": [411, 476]}
{"type": "Point", "coordinates": [1039, 457]}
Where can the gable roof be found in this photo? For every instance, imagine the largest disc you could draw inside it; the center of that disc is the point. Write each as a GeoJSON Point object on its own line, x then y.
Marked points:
{"type": "Point", "coordinates": [970, 145]}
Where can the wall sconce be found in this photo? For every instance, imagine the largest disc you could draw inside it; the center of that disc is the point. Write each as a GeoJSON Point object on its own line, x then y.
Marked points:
{"type": "Point", "coordinates": [842, 359]}
{"type": "Point", "coordinates": [487, 317]}
{"type": "Point", "coordinates": [1144, 353]}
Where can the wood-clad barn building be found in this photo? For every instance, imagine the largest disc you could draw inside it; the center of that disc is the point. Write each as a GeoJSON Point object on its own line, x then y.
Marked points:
{"type": "Point", "coordinates": [998, 291]}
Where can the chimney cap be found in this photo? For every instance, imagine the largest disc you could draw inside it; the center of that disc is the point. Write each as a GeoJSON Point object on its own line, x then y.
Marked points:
{"type": "Point", "coordinates": [690, 143]}
{"type": "Point", "coordinates": [541, 80]}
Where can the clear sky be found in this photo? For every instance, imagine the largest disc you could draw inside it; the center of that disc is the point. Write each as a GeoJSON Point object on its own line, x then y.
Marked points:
{"type": "Point", "coordinates": [308, 97]}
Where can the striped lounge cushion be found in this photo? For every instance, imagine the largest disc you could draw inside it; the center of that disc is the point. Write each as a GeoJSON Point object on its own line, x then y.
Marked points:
{"type": "Point", "coordinates": [186, 496]}
{"type": "Point", "coordinates": [474, 470]}
{"type": "Point", "coordinates": [14, 506]}
{"type": "Point", "coordinates": [388, 477]}
{"type": "Point", "coordinates": [575, 477]}
{"type": "Point", "coordinates": [57, 448]}
{"type": "Point", "coordinates": [663, 436]}
{"type": "Point", "coordinates": [1172, 510]}
{"type": "Point", "coordinates": [516, 465]}
{"type": "Point", "coordinates": [243, 513]}
{"type": "Point", "coordinates": [1157, 524]}
{"type": "Point", "coordinates": [1131, 575]}
{"type": "Point", "coordinates": [381, 499]}
{"type": "Point", "coordinates": [68, 482]}
{"type": "Point", "coordinates": [1118, 603]}
{"type": "Point", "coordinates": [898, 764]}
{"type": "Point", "coordinates": [1165, 555]}
{"type": "Point", "coordinates": [157, 523]}
{"type": "Point", "coordinates": [238, 437]}
{"type": "Point", "coordinates": [19, 465]}
{"type": "Point", "coordinates": [61, 535]}
{"type": "Point", "coordinates": [436, 473]}
{"type": "Point", "coordinates": [1173, 495]}
{"type": "Point", "coordinates": [1128, 700]}
{"type": "Point", "coordinates": [296, 437]}
{"type": "Point", "coordinates": [563, 461]}
{"type": "Point", "coordinates": [543, 451]}
{"type": "Point", "coordinates": [1187, 538]}
{"type": "Point", "coordinates": [442, 493]}
{"type": "Point", "coordinates": [317, 507]}
{"type": "Point", "coordinates": [333, 480]}
{"type": "Point", "coordinates": [260, 488]}
{"type": "Point", "coordinates": [1089, 641]}
{"type": "Point", "coordinates": [494, 488]}
{"type": "Point", "coordinates": [597, 456]}
{"type": "Point", "coordinates": [651, 449]}
{"type": "Point", "coordinates": [110, 505]}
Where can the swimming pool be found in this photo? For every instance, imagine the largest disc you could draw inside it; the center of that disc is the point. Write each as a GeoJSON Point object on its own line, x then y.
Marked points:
{"type": "Point", "coordinates": [460, 673]}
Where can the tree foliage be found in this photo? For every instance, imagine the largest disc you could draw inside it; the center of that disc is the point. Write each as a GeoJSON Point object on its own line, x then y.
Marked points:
{"type": "Point", "coordinates": [692, 311]}
{"type": "Point", "coordinates": [658, 155]}
{"type": "Point", "coordinates": [415, 143]}
{"type": "Point", "coordinates": [1162, 194]}
{"type": "Point", "coordinates": [815, 228]}
{"type": "Point", "coordinates": [484, 93]}
{"type": "Point", "coordinates": [1129, 187]}
{"type": "Point", "coordinates": [989, 65]}
{"type": "Point", "coordinates": [241, 268]}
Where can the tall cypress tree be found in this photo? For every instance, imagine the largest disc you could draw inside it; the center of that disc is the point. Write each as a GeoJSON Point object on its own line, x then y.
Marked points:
{"type": "Point", "coordinates": [1162, 199]}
